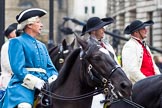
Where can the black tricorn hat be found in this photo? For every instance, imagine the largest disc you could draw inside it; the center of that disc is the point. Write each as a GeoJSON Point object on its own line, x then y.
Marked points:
{"type": "Point", "coordinates": [10, 28]}
{"type": "Point", "coordinates": [28, 13]}
{"type": "Point", "coordinates": [137, 25]}
{"type": "Point", "coordinates": [95, 23]}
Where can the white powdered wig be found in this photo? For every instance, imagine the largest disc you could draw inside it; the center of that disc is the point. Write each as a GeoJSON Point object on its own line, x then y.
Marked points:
{"type": "Point", "coordinates": [28, 21]}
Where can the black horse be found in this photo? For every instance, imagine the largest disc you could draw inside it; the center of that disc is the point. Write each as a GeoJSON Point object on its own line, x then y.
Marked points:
{"type": "Point", "coordinates": [146, 93]}
{"type": "Point", "coordinates": [123, 103]}
{"type": "Point", "coordinates": [84, 70]}
{"type": "Point", "coordinates": [60, 52]}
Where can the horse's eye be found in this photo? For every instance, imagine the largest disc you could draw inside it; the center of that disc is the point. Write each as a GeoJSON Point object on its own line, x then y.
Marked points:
{"type": "Point", "coordinates": [97, 57]}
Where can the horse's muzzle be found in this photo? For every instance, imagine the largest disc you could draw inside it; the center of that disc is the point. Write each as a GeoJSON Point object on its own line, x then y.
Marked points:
{"type": "Point", "coordinates": [125, 88]}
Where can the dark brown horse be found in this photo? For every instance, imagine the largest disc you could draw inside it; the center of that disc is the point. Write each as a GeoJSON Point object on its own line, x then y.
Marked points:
{"type": "Point", "coordinates": [59, 53]}
{"type": "Point", "coordinates": [124, 103]}
{"type": "Point", "coordinates": [85, 69]}
{"type": "Point", "coordinates": [146, 93]}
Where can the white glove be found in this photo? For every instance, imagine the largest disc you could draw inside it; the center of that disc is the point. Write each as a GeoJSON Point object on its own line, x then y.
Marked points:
{"type": "Point", "coordinates": [39, 85]}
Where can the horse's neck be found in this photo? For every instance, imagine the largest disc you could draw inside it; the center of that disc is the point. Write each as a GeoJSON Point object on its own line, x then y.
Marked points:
{"type": "Point", "coordinates": [73, 87]}
{"type": "Point", "coordinates": [75, 80]}
{"type": "Point", "coordinates": [148, 90]}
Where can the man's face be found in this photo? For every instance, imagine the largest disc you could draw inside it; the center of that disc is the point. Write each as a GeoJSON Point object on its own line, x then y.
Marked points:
{"type": "Point", "coordinates": [100, 33]}
{"type": "Point", "coordinates": [12, 34]}
{"type": "Point", "coordinates": [141, 34]}
{"type": "Point", "coordinates": [37, 26]}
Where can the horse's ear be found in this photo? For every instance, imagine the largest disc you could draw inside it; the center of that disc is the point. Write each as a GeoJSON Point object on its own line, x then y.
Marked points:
{"type": "Point", "coordinates": [81, 42]}
{"type": "Point", "coordinates": [73, 43]}
{"type": "Point", "coordinates": [64, 44]}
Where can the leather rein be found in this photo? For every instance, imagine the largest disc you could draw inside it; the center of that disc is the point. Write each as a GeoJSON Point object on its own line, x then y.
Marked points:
{"type": "Point", "coordinates": [107, 87]}
{"type": "Point", "coordinates": [86, 95]}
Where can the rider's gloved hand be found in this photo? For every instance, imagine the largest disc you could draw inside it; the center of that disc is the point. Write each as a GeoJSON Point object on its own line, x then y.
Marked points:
{"type": "Point", "coordinates": [40, 84]}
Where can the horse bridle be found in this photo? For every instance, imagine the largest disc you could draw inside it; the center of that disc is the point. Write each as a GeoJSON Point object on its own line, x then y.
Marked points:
{"type": "Point", "coordinates": [62, 52]}
{"type": "Point", "coordinates": [107, 85]}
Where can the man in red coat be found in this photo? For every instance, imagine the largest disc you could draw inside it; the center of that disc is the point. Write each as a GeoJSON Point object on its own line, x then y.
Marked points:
{"type": "Point", "coordinates": [137, 59]}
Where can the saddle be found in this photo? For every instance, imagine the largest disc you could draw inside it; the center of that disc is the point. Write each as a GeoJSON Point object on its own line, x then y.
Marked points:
{"type": "Point", "coordinates": [42, 99]}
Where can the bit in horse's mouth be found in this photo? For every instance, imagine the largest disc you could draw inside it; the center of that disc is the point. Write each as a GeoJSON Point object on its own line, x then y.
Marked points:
{"type": "Point", "coordinates": [119, 94]}
{"type": "Point", "coordinates": [122, 94]}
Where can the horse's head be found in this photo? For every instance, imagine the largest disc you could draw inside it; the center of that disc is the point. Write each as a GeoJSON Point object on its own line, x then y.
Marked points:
{"type": "Point", "coordinates": [60, 52]}
{"type": "Point", "coordinates": [103, 71]}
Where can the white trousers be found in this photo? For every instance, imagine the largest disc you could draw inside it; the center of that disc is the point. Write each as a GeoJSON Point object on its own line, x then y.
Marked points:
{"type": "Point", "coordinates": [96, 101]}
{"type": "Point", "coordinates": [24, 105]}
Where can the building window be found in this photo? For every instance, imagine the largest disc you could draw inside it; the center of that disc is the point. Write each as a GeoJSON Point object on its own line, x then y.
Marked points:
{"type": "Point", "coordinates": [60, 4]}
{"type": "Point", "coordinates": [93, 9]}
{"type": "Point", "coordinates": [86, 10]}
{"type": "Point", "coordinates": [159, 4]}
{"type": "Point", "coordinates": [24, 4]}
{"type": "Point", "coordinates": [150, 17]}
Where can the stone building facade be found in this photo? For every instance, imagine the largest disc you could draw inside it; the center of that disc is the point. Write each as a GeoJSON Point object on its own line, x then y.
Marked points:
{"type": "Point", "coordinates": [14, 7]}
{"type": "Point", "coordinates": [125, 11]}
{"type": "Point", "coordinates": [62, 8]}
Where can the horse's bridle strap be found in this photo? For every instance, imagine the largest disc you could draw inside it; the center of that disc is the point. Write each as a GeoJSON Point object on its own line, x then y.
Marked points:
{"type": "Point", "coordinates": [113, 70]}
{"type": "Point", "coordinates": [83, 96]}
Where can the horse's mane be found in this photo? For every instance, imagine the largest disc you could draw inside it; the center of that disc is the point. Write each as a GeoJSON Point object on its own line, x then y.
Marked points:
{"type": "Point", "coordinates": [149, 80]}
{"type": "Point", "coordinates": [52, 49]}
{"type": "Point", "coordinates": [64, 72]}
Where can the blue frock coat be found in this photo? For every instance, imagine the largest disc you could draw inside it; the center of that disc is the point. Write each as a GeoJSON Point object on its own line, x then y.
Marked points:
{"type": "Point", "coordinates": [26, 52]}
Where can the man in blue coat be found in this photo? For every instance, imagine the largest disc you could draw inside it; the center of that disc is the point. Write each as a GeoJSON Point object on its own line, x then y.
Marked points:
{"type": "Point", "coordinates": [29, 61]}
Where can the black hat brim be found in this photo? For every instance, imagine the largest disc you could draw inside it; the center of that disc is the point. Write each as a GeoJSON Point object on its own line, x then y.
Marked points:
{"type": "Point", "coordinates": [97, 27]}
{"type": "Point", "coordinates": [10, 28]}
{"type": "Point", "coordinates": [143, 25]}
{"type": "Point", "coordinates": [105, 21]}
{"type": "Point", "coordinates": [108, 19]}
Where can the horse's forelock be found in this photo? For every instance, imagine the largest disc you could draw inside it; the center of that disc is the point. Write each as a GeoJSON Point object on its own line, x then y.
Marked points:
{"type": "Point", "coordinates": [52, 50]}
{"type": "Point", "coordinates": [91, 49]}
